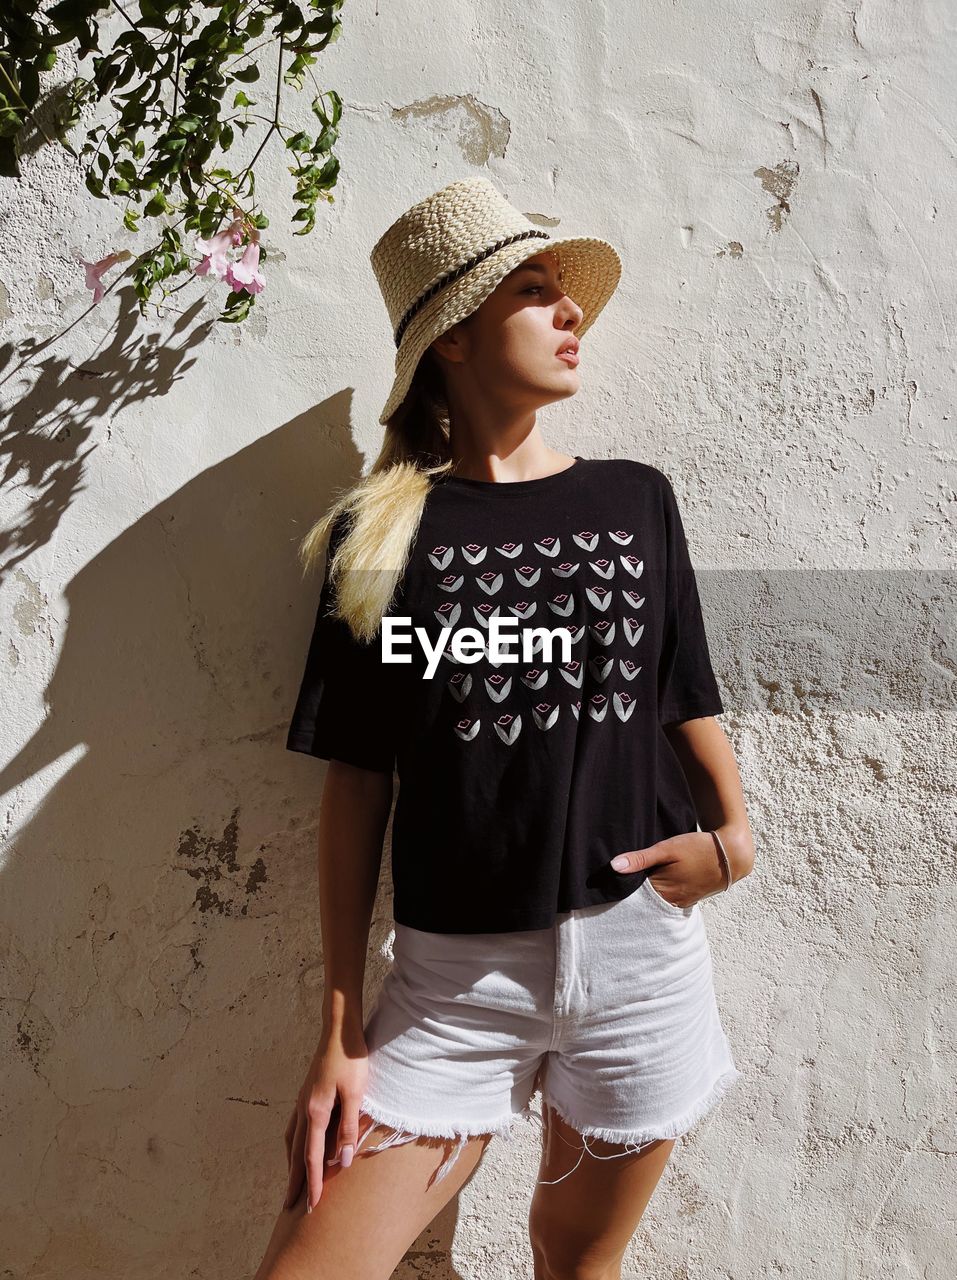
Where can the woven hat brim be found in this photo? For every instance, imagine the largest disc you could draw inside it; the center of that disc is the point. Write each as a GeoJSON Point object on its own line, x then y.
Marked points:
{"type": "Point", "coordinates": [591, 270]}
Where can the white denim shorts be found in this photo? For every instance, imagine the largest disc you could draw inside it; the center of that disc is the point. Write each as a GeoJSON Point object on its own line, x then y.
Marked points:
{"type": "Point", "coordinates": [610, 1014]}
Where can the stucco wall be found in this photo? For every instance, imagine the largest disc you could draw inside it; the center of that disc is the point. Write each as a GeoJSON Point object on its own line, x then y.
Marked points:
{"type": "Point", "coordinates": [780, 181]}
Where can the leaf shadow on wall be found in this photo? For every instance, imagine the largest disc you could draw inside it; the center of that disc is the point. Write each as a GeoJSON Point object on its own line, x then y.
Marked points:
{"type": "Point", "coordinates": [60, 405]}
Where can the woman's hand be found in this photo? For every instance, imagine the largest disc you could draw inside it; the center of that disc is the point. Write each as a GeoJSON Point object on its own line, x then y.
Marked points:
{"type": "Point", "coordinates": [687, 868]}
{"type": "Point", "coordinates": [324, 1125]}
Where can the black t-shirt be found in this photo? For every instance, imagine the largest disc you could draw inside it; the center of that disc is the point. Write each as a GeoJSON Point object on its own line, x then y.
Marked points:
{"type": "Point", "coordinates": [520, 781]}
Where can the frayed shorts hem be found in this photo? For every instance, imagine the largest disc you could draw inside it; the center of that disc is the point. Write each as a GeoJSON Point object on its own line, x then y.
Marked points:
{"type": "Point", "coordinates": [406, 1129]}
{"type": "Point", "coordinates": [503, 1127]}
{"type": "Point", "coordinates": [636, 1140]}
{"type": "Point", "coordinates": [676, 1128]}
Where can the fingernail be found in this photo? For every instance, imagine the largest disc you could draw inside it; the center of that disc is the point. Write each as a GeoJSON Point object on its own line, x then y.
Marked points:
{"type": "Point", "coordinates": [346, 1155]}
{"type": "Point", "coordinates": [621, 862]}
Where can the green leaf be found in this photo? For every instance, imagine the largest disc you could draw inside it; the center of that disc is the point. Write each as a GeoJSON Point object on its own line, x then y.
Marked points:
{"type": "Point", "coordinates": [67, 15]}
{"type": "Point", "coordinates": [29, 84]}
{"type": "Point", "coordinates": [246, 74]}
{"type": "Point", "coordinates": [237, 307]}
{"type": "Point", "coordinates": [9, 159]}
{"type": "Point", "coordinates": [291, 20]}
{"type": "Point", "coordinates": [154, 15]}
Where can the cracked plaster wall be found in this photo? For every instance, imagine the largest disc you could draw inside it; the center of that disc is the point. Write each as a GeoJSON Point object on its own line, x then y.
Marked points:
{"type": "Point", "coordinates": [780, 181]}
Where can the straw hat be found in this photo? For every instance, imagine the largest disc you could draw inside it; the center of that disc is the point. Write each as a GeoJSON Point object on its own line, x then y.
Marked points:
{"type": "Point", "coordinates": [442, 258]}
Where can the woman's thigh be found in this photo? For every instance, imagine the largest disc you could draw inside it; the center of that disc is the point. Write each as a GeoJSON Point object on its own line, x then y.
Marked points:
{"type": "Point", "coordinates": [585, 1209]}
{"type": "Point", "coordinates": [368, 1215]}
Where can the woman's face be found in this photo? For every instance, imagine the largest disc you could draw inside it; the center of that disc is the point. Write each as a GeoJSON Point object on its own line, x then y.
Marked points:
{"type": "Point", "coordinates": [507, 348]}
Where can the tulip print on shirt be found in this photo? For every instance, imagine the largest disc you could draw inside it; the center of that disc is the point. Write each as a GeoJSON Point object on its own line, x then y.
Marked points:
{"type": "Point", "coordinates": [594, 584]}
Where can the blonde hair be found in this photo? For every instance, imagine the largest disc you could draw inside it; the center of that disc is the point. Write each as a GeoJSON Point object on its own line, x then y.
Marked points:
{"type": "Point", "coordinates": [381, 513]}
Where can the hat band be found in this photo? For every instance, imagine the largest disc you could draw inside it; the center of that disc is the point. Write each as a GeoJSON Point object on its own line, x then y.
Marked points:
{"type": "Point", "coordinates": [451, 276]}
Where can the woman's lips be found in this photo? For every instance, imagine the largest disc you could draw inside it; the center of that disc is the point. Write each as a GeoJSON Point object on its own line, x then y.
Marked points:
{"type": "Point", "coordinates": [569, 357]}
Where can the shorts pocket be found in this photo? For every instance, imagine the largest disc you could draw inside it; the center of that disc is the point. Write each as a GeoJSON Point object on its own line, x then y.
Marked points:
{"type": "Point", "coordinates": [662, 902]}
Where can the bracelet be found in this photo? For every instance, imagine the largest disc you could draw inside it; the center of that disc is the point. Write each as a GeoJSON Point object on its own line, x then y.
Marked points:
{"type": "Point", "coordinates": [726, 865]}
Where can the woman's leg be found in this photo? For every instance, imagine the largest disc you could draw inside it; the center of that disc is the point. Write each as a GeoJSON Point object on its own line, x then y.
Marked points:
{"type": "Point", "coordinates": [454, 1041]}
{"type": "Point", "coordinates": [368, 1215]}
{"type": "Point", "coordinates": [586, 1209]}
{"type": "Point", "coordinates": [640, 1057]}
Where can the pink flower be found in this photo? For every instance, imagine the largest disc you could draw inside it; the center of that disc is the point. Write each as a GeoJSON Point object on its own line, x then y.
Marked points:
{"type": "Point", "coordinates": [245, 273]}
{"type": "Point", "coordinates": [95, 270]}
{"type": "Point", "coordinates": [215, 248]}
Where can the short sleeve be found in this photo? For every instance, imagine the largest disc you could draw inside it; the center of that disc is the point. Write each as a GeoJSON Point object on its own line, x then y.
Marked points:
{"type": "Point", "coordinates": [343, 709]}
{"type": "Point", "coordinates": [686, 682]}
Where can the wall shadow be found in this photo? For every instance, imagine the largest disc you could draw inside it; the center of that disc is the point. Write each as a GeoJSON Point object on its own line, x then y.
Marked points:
{"type": "Point", "coordinates": [159, 905]}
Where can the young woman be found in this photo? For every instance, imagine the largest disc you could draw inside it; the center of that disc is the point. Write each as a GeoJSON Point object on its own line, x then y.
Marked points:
{"type": "Point", "coordinates": [551, 715]}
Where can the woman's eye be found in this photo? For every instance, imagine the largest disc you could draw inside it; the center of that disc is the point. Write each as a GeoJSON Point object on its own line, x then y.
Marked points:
{"type": "Point", "coordinates": [536, 288]}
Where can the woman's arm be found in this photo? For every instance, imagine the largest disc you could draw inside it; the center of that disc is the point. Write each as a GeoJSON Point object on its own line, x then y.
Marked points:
{"type": "Point", "coordinates": [707, 758]}
{"type": "Point", "coordinates": [353, 816]}
{"type": "Point", "coordinates": [687, 867]}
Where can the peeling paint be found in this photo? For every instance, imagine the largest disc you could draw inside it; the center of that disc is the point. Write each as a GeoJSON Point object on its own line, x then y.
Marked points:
{"type": "Point", "coordinates": [480, 132]}
{"type": "Point", "coordinates": [35, 1035]}
{"type": "Point", "coordinates": [820, 115]}
{"type": "Point", "coordinates": [29, 608]}
{"type": "Point", "coordinates": [780, 183]}
{"type": "Point", "coordinates": [543, 220]}
{"type": "Point", "coordinates": [224, 886]}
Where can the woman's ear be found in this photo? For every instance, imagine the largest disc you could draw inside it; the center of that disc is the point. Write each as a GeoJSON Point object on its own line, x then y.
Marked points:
{"type": "Point", "coordinates": [451, 345]}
